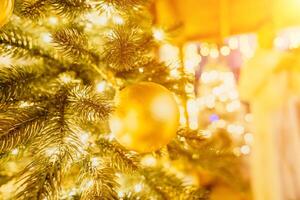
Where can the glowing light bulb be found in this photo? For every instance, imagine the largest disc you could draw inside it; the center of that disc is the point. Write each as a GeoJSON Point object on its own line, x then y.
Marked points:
{"type": "Point", "coordinates": [235, 129]}
{"type": "Point", "coordinates": [138, 187]}
{"type": "Point", "coordinates": [46, 37]}
{"type": "Point", "coordinates": [174, 73]}
{"type": "Point", "coordinates": [245, 149]}
{"type": "Point", "coordinates": [149, 161]}
{"type": "Point", "coordinates": [111, 137]}
{"type": "Point", "coordinates": [84, 137]}
{"type": "Point", "coordinates": [204, 50]}
{"type": "Point", "coordinates": [121, 194]}
{"type": "Point", "coordinates": [6, 60]}
{"type": "Point", "coordinates": [72, 192]}
{"type": "Point", "coordinates": [158, 34]}
{"type": "Point", "coordinates": [95, 162]}
{"type": "Point", "coordinates": [66, 78]}
{"type": "Point", "coordinates": [141, 70]}
{"type": "Point", "coordinates": [89, 184]}
{"type": "Point", "coordinates": [225, 51]}
{"type": "Point", "coordinates": [53, 20]}
{"type": "Point", "coordinates": [206, 133]}
{"type": "Point", "coordinates": [15, 151]}
{"type": "Point", "coordinates": [169, 53]}
{"type": "Point", "coordinates": [97, 19]}
{"type": "Point", "coordinates": [24, 104]}
{"type": "Point", "coordinates": [100, 87]}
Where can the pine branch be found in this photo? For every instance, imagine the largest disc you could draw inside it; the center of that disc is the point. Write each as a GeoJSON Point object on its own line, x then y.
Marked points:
{"type": "Point", "coordinates": [15, 43]}
{"type": "Point", "coordinates": [70, 8]}
{"type": "Point", "coordinates": [191, 135]}
{"type": "Point", "coordinates": [98, 182]}
{"type": "Point", "coordinates": [25, 83]}
{"type": "Point", "coordinates": [197, 194]}
{"type": "Point", "coordinates": [15, 82]}
{"type": "Point", "coordinates": [54, 149]}
{"type": "Point", "coordinates": [41, 179]}
{"type": "Point", "coordinates": [222, 162]}
{"type": "Point", "coordinates": [18, 44]}
{"type": "Point", "coordinates": [150, 70]}
{"type": "Point", "coordinates": [32, 9]}
{"type": "Point", "coordinates": [119, 158]}
{"type": "Point", "coordinates": [60, 131]}
{"type": "Point", "coordinates": [166, 185]}
{"type": "Point", "coordinates": [74, 44]}
{"type": "Point", "coordinates": [88, 104]}
{"type": "Point", "coordinates": [122, 5]}
{"type": "Point", "coordinates": [20, 127]}
{"type": "Point", "coordinates": [126, 48]}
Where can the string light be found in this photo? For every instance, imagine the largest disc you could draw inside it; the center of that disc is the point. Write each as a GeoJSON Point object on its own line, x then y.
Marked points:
{"type": "Point", "coordinates": [84, 137]}
{"type": "Point", "coordinates": [245, 149]}
{"type": "Point", "coordinates": [24, 104]}
{"type": "Point", "coordinates": [141, 70]}
{"type": "Point", "coordinates": [121, 194]}
{"type": "Point", "coordinates": [97, 19]}
{"type": "Point", "coordinates": [15, 151]}
{"type": "Point", "coordinates": [235, 129]}
{"type": "Point", "coordinates": [158, 34]}
{"type": "Point", "coordinates": [73, 192]}
{"type": "Point", "coordinates": [101, 86]}
{"type": "Point", "coordinates": [148, 161]}
{"type": "Point", "coordinates": [204, 50]}
{"type": "Point", "coordinates": [53, 20]}
{"type": "Point", "coordinates": [233, 106]}
{"type": "Point", "coordinates": [65, 78]}
{"type": "Point", "coordinates": [89, 184]}
{"type": "Point", "coordinates": [206, 133]}
{"type": "Point", "coordinates": [95, 162]}
{"type": "Point", "coordinates": [175, 73]}
{"type": "Point", "coordinates": [6, 60]}
{"type": "Point", "coordinates": [138, 187]}
{"type": "Point", "coordinates": [225, 51]}
{"type": "Point", "coordinates": [46, 37]}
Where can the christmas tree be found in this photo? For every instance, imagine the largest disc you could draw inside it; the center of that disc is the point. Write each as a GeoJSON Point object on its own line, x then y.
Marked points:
{"type": "Point", "coordinates": [63, 68]}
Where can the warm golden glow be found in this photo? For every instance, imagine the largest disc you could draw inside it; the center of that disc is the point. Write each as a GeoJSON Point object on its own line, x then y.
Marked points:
{"type": "Point", "coordinates": [143, 109]}
{"type": "Point", "coordinates": [101, 86]}
{"type": "Point", "coordinates": [158, 34]}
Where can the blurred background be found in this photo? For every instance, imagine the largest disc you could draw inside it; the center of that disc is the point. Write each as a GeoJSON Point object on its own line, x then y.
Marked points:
{"type": "Point", "coordinates": [245, 60]}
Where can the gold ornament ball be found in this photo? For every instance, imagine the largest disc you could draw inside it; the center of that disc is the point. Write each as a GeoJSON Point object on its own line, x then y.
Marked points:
{"type": "Point", "coordinates": [6, 10]}
{"type": "Point", "coordinates": [146, 117]}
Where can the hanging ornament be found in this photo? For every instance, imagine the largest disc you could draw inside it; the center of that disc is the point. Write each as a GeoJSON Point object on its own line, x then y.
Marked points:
{"type": "Point", "coordinates": [146, 117]}
{"type": "Point", "coordinates": [6, 10]}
